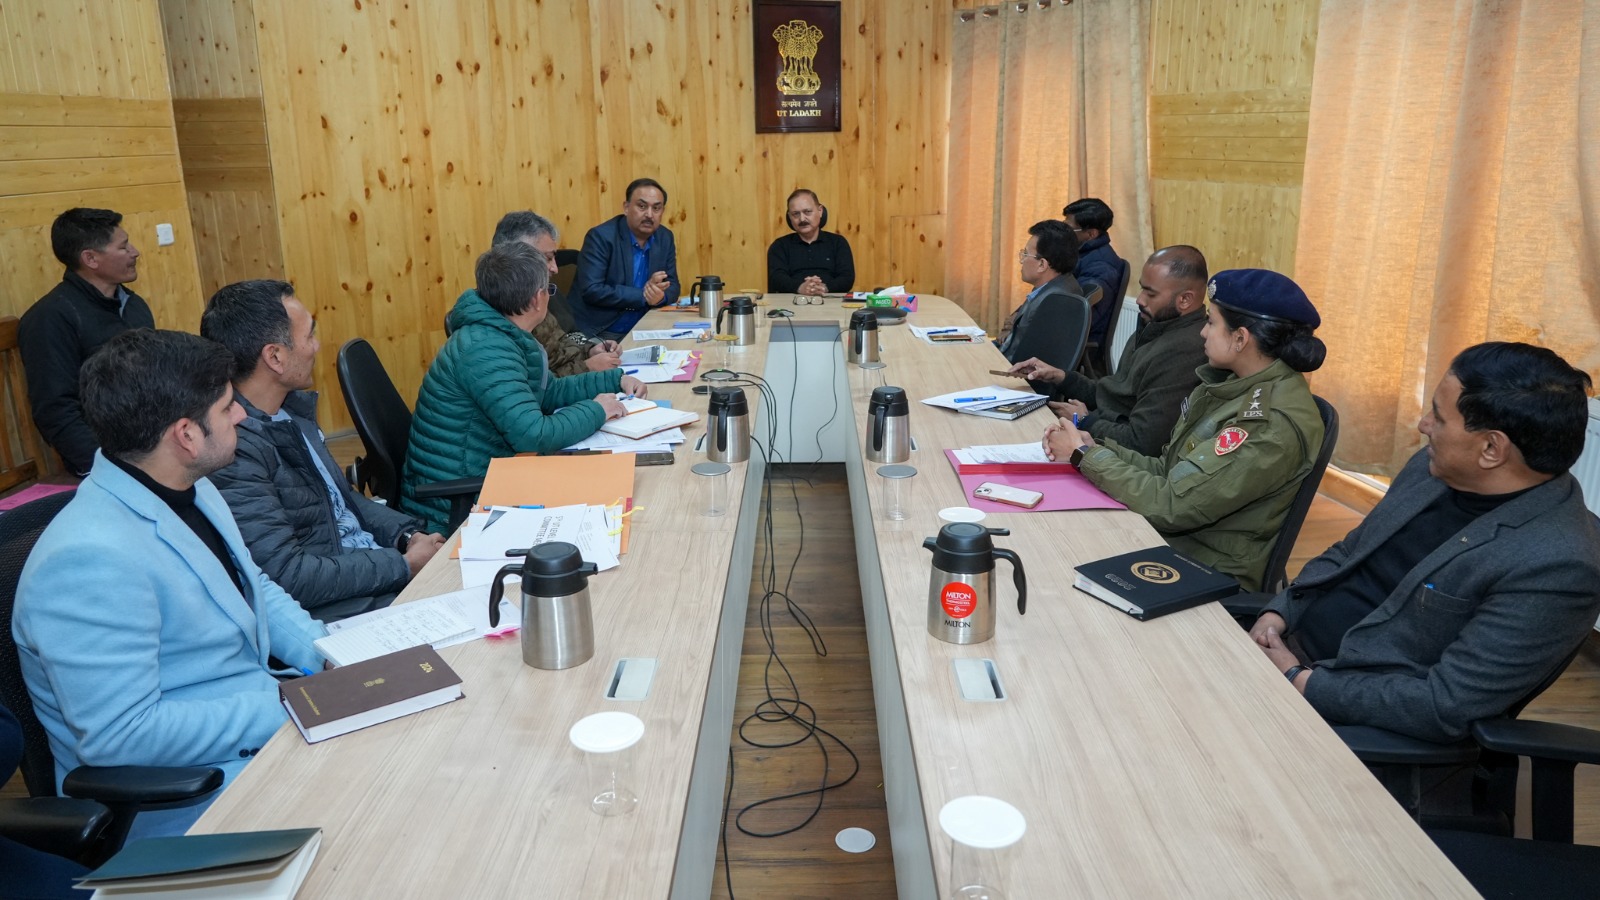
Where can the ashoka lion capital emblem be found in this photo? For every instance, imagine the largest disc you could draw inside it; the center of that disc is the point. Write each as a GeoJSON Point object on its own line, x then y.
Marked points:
{"type": "Point", "coordinates": [797, 44]}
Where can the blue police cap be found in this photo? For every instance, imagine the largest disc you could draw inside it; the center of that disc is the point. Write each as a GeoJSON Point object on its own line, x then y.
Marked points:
{"type": "Point", "coordinates": [1264, 294]}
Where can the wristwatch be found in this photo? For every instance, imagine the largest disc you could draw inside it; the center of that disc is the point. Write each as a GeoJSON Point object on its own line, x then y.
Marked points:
{"type": "Point", "coordinates": [1294, 672]}
{"type": "Point", "coordinates": [404, 540]}
{"type": "Point", "coordinates": [1077, 455]}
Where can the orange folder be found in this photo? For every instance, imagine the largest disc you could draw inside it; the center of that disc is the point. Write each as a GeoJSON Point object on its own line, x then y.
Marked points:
{"type": "Point", "coordinates": [600, 479]}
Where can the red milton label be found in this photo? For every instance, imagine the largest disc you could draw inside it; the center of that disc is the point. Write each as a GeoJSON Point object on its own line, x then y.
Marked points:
{"type": "Point", "coordinates": [958, 600]}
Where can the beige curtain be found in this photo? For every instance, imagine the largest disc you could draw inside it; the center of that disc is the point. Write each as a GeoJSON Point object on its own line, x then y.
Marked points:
{"type": "Point", "coordinates": [1450, 197]}
{"type": "Point", "coordinates": [1047, 105]}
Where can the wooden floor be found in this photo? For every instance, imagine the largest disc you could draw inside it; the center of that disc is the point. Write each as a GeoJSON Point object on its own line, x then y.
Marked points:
{"type": "Point", "coordinates": [806, 864]}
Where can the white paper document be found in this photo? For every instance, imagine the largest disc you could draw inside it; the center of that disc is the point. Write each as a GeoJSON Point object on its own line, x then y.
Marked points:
{"type": "Point", "coordinates": [972, 333]}
{"type": "Point", "coordinates": [516, 528]}
{"type": "Point", "coordinates": [399, 628]}
{"type": "Point", "coordinates": [979, 398]}
{"type": "Point", "coordinates": [1002, 453]}
{"type": "Point", "coordinates": [483, 548]}
{"type": "Point", "coordinates": [468, 604]}
{"type": "Point", "coordinates": [661, 441]}
{"type": "Point", "coordinates": [669, 334]}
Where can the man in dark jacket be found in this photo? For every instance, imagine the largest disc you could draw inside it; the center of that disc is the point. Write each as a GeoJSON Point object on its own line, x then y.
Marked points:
{"type": "Point", "coordinates": [1049, 324]}
{"type": "Point", "coordinates": [567, 354]}
{"type": "Point", "coordinates": [334, 551]}
{"type": "Point", "coordinates": [66, 326]}
{"type": "Point", "coordinates": [1098, 264]}
{"type": "Point", "coordinates": [1137, 405]}
{"type": "Point", "coordinates": [1476, 575]}
{"type": "Point", "coordinates": [628, 267]}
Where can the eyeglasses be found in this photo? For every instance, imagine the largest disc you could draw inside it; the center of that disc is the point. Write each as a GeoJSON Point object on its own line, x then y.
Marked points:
{"type": "Point", "coordinates": [1023, 255]}
{"type": "Point", "coordinates": [807, 300]}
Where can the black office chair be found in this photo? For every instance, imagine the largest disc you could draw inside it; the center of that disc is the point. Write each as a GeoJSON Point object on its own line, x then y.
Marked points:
{"type": "Point", "coordinates": [63, 827]}
{"type": "Point", "coordinates": [1246, 607]}
{"type": "Point", "coordinates": [384, 422]}
{"type": "Point", "coordinates": [566, 272]}
{"type": "Point", "coordinates": [1097, 354]}
{"type": "Point", "coordinates": [1434, 784]}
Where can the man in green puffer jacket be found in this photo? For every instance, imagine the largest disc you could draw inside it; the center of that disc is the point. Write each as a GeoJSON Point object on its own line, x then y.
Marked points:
{"type": "Point", "coordinates": [489, 392]}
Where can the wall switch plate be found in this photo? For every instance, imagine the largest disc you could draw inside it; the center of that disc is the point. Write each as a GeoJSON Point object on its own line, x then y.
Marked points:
{"type": "Point", "coordinates": [164, 234]}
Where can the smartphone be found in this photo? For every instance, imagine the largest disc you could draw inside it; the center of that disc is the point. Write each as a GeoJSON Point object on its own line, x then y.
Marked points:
{"type": "Point", "coordinates": [1005, 493]}
{"type": "Point", "coordinates": [654, 459]}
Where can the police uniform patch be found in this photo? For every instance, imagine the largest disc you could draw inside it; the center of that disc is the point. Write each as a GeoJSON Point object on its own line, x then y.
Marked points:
{"type": "Point", "coordinates": [1230, 439]}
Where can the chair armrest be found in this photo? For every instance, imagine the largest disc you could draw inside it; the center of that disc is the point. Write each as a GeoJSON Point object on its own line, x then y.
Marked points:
{"type": "Point", "coordinates": [1539, 740]}
{"type": "Point", "coordinates": [1381, 747]}
{"type": "Point", "coordinates": [1246, 604]}
{"type": "Point", "coordinates": [141, 784]}
{"type": "Point", "coordinates": [57, 825]}
{"type": "Point", "coordinates": [453, 488]}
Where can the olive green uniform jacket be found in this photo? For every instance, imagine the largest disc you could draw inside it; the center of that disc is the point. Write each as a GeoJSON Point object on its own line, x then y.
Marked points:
{"type": "Point", "coordinates": [566, 356]}
{"type": "Point", "coordinates": [1223, 509]}
{"type": "Point", "coordinates": [1137, 405]}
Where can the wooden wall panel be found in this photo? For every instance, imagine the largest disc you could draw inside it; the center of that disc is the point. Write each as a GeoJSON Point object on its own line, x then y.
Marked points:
{"type": "Point", "coordinates": [86, 120]}
{"type": "Point", "coordinates": [222, 138]}
{"type": "Point", "coordinates": [1229, 105]}
{"type": "Point", "coordinates": [400, 133]}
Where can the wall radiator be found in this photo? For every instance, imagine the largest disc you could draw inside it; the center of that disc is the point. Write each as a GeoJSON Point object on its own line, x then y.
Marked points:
{"type": "Point", "coordinates": [1128, 322]}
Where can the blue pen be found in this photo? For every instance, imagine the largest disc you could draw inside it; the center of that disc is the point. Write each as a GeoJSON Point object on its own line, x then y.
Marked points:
{"type": "Point", "coordinates": [1074, 420]}
{"type": "Point", "coordinates": [972, 399]}
{"type": "Point", "coordinates": [682, 333]}
{"type": "Point", "coordinates": [630, 371]}
{"type": "Point", "coordinates": [942, 331]}
{"type": "Point", "coordinates": [304, 670]}
{"type": "Point", "coordinates": [530, 506]}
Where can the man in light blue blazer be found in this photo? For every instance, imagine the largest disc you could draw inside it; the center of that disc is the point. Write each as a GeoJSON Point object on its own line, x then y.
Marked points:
{"type": "Point", "coordinates": [147, 635]}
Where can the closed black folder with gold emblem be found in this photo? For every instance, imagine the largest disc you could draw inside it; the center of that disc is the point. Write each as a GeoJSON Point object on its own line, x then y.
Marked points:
{"type": "Point", "coordinates": [1150, 583]}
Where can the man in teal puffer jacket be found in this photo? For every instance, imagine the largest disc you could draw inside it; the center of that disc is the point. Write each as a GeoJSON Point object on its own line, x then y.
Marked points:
{"type": "Point", "coordinates": [489, 392]}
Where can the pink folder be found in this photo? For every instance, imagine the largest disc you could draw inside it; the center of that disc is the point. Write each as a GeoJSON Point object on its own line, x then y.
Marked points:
{"type": "Point", "coordinates": [33, 492]}
{"type": "Point", "coordinates": [1063, 489]}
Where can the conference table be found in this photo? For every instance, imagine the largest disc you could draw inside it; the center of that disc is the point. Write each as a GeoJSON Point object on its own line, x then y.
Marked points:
{"type": "Point", "coordinates": [1150, 759]}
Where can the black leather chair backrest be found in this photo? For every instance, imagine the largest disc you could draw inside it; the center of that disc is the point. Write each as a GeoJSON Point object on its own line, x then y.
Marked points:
{"type": "Point", "coordinates": [1118, 300]}
{"type": "Point", "coordinates": [1275, 578]}
{"type": "Point", "coordinates": [1076, 335]}
{"type": "Point", "coordinates": [19, 531]}
{"type": "Point", "coordinates": [381, 416]}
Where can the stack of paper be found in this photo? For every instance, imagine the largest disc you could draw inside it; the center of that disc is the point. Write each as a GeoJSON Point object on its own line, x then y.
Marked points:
{"type": "Point", "coordinates": [398, 628]}
{"type": "Point", "coordinates": [979, 398]}
{"type": "Point", "coordinates": [686, 331]}
{"type": "Point", "coordinates": [469, 605]}
{"type": "Point", "coordinates": [487, 536]}
{"type": "Point", "coordinates": [1031, 452]}
{"type": "Point", "coordinates": [950, 334]}
{"type": "Point", "coordinates": [671, 364]}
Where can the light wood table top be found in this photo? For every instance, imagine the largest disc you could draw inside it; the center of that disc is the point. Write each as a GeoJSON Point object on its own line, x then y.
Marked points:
{"type": "Point", "coordinates": [485, 797]}
{"type": "Point", "coordinates": [1151, 759]}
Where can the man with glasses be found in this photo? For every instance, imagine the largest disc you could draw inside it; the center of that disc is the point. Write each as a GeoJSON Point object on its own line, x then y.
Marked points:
{"type": "Point", "coordinates": [1049, 324]}
{"type": "Point", "coordinates": [629, 266]}
{"type": "Point", "coordinates": [568, 354]}
{"type": "Point", "coordinates": [1098, 264]}
{"type": "Point", "coordinates": [489, 392]}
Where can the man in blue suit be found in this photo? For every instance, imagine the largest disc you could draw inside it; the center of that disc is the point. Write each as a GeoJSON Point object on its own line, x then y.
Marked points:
{"type": "Point", "coordinates": [147, 636]}
{"type": "Point", "coordinates": [629, 266]}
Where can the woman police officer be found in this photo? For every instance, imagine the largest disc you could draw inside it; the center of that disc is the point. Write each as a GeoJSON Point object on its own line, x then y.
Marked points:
{"type": "Point", "coordinates": [1246, 438]}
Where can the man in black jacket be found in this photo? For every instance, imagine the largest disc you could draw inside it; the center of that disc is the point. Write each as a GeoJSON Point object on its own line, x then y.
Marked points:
{"type": "Point", "coordinates": [1098, 264]}
{"type": "Point", "coordinates": [1051, 323]}
{"type": "Point", "coordinates": [66, 326]}
{"type": "Point", "coordinates": [1138, 405]}
{"type": "Point", "coordinates": [334, 551]}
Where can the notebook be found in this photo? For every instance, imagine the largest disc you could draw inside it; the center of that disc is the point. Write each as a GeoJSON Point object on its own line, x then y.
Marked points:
{"type": "Point", "coordinates": [649, 421]}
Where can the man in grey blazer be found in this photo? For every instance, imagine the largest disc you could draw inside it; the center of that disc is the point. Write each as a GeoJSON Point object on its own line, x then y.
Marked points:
{"type": "Point", "coordinates": [1473, 579]}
